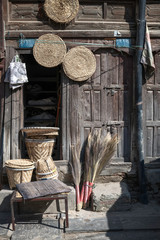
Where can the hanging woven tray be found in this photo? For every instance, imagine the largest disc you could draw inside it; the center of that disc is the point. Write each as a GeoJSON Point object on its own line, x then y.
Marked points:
{"type": "Point", "coordinates": [62, 11]}
{"type": "Point", "coordinates": [79, 63]}
{"type": "Point", "coordinates": [49, 50]}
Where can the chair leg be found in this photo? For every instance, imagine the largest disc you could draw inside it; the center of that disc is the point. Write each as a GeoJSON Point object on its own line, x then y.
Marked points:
{"type": "Point", "coordinates": [66, 210]}
{"type": "Point", "coordinates": [12, 214]}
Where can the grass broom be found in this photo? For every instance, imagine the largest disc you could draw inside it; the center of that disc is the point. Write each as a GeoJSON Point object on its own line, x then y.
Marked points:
{"type": "Point", "coordinates": [89, 155]}
{"type": "Point", "coordinates": [104, 148]}
{"type": "Point", "coordinates": [76, 172]}
{"type": "Point", "coordinates": [87, 171]}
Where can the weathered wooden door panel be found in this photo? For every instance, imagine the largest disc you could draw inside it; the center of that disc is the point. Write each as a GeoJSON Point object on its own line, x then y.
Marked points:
{"type": "Point", "coordinates": [13, 117]}
{"type": "Point", "coordinates": [105, 100]}
{"type": "Point", "coordinates": [152, 114]}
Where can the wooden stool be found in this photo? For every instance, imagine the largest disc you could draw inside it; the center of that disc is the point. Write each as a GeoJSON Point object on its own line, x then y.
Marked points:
{"type": "Point", "coordinates": [18, 199]}
{"type": "Point", "coordinates": [46, 190]}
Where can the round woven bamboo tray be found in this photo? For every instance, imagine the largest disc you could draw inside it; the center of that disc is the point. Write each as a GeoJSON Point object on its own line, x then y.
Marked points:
{"type": "Point", "coordinates": [46, 169]}
{"type": "Point", "coordinates": [19, 172]}
{"type": "Point", "coordinates": [62, 11]}
{"type": "Point", "coordinates": [79, 63]}
{"type": "Point", "coordinates": [39, 148]}
{"type": "Point", "coordinates": [49, 50]}
{"type": "Point", "coordinates": [34, 132]}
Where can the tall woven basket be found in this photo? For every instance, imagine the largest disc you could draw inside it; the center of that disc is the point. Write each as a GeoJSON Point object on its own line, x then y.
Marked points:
{"type": "Point", "coordinates": [46, 169]}
{"type": "Point", "coordinates": [19, 171]}
{"type": "Point", "coordinates": [39, 148]}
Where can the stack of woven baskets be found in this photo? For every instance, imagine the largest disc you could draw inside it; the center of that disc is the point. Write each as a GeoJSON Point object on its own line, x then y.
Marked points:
{"type": "Point", "coordinates": [40, 143]}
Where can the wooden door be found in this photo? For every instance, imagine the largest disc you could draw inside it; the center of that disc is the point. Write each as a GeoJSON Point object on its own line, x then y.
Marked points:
{"type": "Point", "coordinates": [105, 100]}
{"type": "Point", "coordinates": [151, 99]}
{"type": "Point", "coordinates": [13, 116]}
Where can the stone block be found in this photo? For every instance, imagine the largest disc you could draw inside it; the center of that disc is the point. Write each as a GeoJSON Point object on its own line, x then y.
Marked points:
{"type": "Point", "coordinates": [153, 176]}
{"type": "Point", "coordinates": [5, 196]}
{"type": "Point", "coordinates": [113, 196]}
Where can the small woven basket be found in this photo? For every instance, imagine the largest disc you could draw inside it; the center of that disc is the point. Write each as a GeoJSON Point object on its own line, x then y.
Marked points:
{"type": "Point", "coordinates": [39, 148]}
{"type": "Point", "coordinates": [46, 169]}
{"type": "Point", "coordinates": [49, 50]}
{"type": "Point", "coordinates": [62, 11]}
{"type": "Point", "coordinates": [19, 171]}
{"type": "Point", "coordinates": [79, 63]}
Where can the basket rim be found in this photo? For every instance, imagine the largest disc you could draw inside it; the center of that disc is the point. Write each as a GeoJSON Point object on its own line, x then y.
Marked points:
{"type": "Point", "coordinates": [28, 129]}
{"type": "Point", "coordinates": [46, 173]}
{"type": "Point", "coordinates": [45, 178]}
{"type": "Point", "coordinates": [20, 169]}
{"type": "Point", "coordinates": [19, 163]}
{"type": "Point", "coordinates": [40, 140]}
{"type": "Point", "coordinates": [34, 131]}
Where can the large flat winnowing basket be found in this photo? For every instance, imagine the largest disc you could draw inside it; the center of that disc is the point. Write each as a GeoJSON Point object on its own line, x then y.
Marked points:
{"type": "Point", "coordinates": [79, 63]}
{"type": "Point", "coordinates": [62, 11]}
{"type": "Point", "coordinates": [49, 50]}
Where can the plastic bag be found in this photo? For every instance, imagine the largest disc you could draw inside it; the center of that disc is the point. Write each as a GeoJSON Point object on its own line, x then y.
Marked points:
{"type": "Point", "coordinates": [18, 73]}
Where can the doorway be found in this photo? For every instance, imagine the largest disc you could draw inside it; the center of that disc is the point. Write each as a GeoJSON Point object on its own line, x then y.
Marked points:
{"type": "Point", "coordinates": [41, 98]}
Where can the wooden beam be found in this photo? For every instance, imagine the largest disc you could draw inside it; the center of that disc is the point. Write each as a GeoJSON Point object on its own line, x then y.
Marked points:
{"type": "Point", "coordinates": [70, 34]}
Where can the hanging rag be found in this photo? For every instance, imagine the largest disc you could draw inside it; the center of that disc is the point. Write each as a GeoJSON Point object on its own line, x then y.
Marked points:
{"type": "Point", "coordinates": [16, 74]}
{"type": "Point", "coordinates": [147, 57]}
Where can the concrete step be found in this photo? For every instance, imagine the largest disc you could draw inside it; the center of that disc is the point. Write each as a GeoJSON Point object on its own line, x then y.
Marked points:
{"type": "Point", "coordinates": [140, 222]}
{"type": "Point", "coordinates": [113, 196]}
{"type": "Point", "coordinates": [113, 222]}
{"type": "Point", "coordinates": [116, 235]}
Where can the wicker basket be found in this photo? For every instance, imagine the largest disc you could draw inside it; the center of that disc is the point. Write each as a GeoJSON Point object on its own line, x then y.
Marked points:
{"type": "Point", "coordinates": [19, 171]}
{"type": "Point", "coordinates": [62, 11]}
{"type": "Point", "coordinates": [49, 50]}
{"type": "Point", "coordinates": [79, 63]}
{"type": "Point", "coordinates": [39, 148]}
{"type": "Point", "coordinates": [46, 169]}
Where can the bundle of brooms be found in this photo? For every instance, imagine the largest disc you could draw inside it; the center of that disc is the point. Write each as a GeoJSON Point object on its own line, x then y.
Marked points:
{"type": "Point", "coordinates": [99, 150]}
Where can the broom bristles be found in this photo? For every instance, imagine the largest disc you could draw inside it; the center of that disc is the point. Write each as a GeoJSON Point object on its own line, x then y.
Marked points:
{"type": "Point", "coordinates": [106, 155]}
{"type": "Point", "coordinates": [75, 163]}
{"type": "Point", "coordinates": [100, 149]}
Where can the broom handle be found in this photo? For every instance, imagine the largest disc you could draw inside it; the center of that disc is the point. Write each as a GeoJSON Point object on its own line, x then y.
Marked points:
{"type": "Point", "coordinates": [85, 194]}
{"type": "Point", "coordinates": [82, 193]}
{"type": "Point", "coordinates": [89, 190]}
{"type": "Point", "coordinates": [78, 202]}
